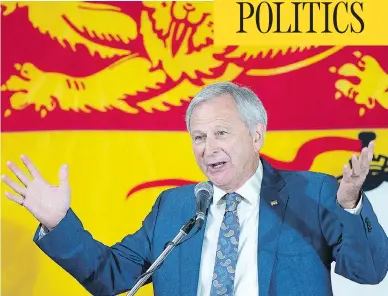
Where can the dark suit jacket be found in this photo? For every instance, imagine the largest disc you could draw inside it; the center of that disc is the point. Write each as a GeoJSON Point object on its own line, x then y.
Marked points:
{"type": "Point", "coordinates": [298, 240]}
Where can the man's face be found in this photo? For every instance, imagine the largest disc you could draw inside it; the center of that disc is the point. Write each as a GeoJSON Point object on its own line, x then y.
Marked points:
{"type": "Point", "coordinates": [224, 150]}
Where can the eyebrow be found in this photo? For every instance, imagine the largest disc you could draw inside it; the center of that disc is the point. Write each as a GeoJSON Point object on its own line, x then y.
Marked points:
{"type": "Point", "coordinates": [197, 132]}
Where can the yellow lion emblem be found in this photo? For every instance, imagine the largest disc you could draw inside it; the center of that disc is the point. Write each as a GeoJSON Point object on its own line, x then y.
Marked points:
{"type": "Point", "coordinates": [372, 84]}
{"type": "Point", "coordinates": [177, 40]}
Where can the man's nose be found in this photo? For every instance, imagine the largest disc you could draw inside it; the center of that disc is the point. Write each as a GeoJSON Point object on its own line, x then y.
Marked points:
{"type": "Point", "coordinates": [211, 146]}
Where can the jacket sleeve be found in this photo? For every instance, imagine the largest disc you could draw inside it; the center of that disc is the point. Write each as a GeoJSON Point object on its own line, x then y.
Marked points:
{"type": "Point", "coordinates": [100, 269]}
{"type": "Point", "coordinates": [358, 242]}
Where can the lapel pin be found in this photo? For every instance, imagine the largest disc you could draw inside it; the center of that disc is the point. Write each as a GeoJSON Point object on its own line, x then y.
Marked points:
{"type": "Point", "coordinates": [274, 203]}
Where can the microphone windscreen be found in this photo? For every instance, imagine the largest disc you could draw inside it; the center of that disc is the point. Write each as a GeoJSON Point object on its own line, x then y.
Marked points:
{"type": "Point", "coordinates": [206, 186]}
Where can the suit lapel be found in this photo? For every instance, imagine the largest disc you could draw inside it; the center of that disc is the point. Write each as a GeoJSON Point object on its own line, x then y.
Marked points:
{"type": "Point", "coordinates": [273, 202]}
{"type": "Point", "coordinates": [190, 255]}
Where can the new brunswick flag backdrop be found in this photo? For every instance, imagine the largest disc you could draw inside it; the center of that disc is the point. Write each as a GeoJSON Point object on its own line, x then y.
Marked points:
{"type": "Point", "coordinates": [104, 87]}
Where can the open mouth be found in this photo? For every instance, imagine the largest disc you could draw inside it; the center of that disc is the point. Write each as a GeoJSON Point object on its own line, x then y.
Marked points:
{"type": "Point", "coordinates": [218, 165]}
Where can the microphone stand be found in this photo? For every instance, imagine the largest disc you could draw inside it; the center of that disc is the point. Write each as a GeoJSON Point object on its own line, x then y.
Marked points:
{"type": "Point", "coordinates": [185, 229]}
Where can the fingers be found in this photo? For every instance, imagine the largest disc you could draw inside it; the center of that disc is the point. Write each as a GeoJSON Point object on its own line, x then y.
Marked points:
{"type": "Point", "coordinates": [355, 165]}
{"type": "Point", "coordinates": [15, 186]}
{"type": "Point", "coordinates": [31, 168]}
{"type": "Point", "coordinates": [366, 157]}
{"type": "Point", "coordinates": [64, 175]}
{"type": "Point", "coordinates": [371, 148]}
{"type": "Point", "coordinates": [18, 173]}
{"type": "Point", "coordinates": [360, 165]}
{"type": "Point", "coordinates": [347, 171]}
{"type": "Point", "coordinates": [15, 198]}
{"type": "Point", "coordinates": [364, 160]}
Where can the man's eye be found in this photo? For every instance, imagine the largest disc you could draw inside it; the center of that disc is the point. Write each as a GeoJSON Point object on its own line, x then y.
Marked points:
{"type": "Point", "coordinates": [221, 133]}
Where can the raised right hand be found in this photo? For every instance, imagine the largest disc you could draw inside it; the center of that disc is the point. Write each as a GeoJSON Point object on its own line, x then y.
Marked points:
{"type": "Point", "coordinates": [48, 203]}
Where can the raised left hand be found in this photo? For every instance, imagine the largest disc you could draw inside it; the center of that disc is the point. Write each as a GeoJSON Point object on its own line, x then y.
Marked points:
{"type": "Point", "coordinates": [348, 194]}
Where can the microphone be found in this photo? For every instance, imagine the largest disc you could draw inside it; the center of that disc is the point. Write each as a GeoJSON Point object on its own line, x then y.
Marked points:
{"type": "Point", "coordinates": [203, 194]}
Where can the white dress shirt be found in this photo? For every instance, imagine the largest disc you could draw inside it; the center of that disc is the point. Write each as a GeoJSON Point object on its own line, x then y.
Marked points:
{"type": "Point", "coordinates": [246, 278]}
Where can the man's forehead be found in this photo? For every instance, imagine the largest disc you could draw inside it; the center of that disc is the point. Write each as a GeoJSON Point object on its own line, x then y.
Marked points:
{"type": "Point", "coordinates": [217, 111]}
{"type": "Point", "coordinates": [210, 126]}
{"type": "Point", "coordinates": [212, 117]}
{"type": "Point", "coordinates": [210, 111]}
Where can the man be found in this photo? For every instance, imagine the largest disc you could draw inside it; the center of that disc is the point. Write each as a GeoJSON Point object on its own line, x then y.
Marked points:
{"type": "Point", "coordinates": [268, 232]}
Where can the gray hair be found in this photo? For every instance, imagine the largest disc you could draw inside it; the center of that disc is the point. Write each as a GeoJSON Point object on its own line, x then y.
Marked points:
{"type": "Point", "coordinates": [249, 106]}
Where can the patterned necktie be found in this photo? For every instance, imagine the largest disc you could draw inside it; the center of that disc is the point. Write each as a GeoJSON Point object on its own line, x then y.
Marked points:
{"type": "Point", "coordinates": [227, 247]}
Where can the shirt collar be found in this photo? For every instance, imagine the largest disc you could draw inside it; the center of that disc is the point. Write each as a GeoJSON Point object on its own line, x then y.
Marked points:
{"type": "Point", "coordinates": [250, 191]}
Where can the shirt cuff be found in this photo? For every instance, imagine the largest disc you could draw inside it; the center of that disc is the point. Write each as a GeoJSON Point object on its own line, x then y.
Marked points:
{"type": "Point", "coordinates": [357, 209]}
{"type": "Point", "coordinates": [43, 231]}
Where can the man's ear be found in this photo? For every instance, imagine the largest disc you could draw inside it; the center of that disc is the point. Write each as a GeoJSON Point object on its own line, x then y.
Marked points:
{"type": "Point", "coordinates": [258, 137]}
